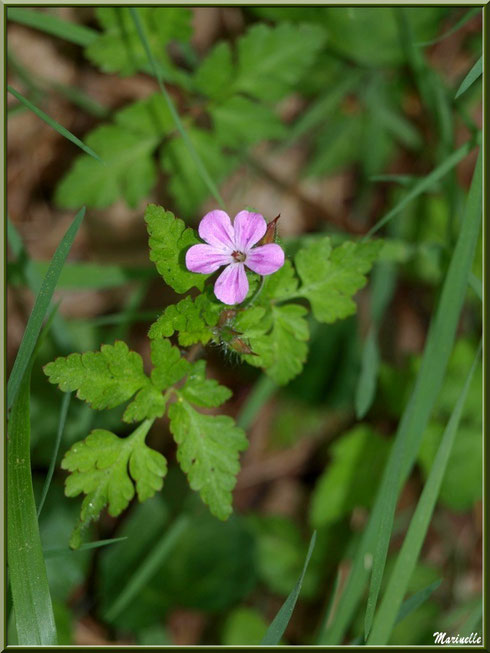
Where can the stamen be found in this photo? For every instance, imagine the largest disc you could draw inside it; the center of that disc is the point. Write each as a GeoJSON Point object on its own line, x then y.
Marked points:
{"type": "Point", "coordinates": [239, 257]}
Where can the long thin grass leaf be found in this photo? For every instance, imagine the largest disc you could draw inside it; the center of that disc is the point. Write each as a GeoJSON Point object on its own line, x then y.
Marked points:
{"type": "Point", "coordinates": [438, 348]}
{"type": "Point", "coordinates": [52, 123]}
{"type": "Point", "coordinates": [34, 276]}
{"type": "Point", "coordinates": [471, 77]}
{"type": "Point", "coordinates": [31, 84]}
{"type": "Point", "coordinates": [280, 622]}
{"type": "Point", "coordinates": [81, 276]}
{"type": "Point", "coordinates": [412, 545]}
{"type": "Point", "coordinates": [64, 550]}
{"type": "Point", "coordinates": [262, 391]}
{"type": "Point", "coordinates": [423, 185]}
{"type": "Point", "coordinates": [50, 24]}
{"type": "Point", "coordinates": [121, 318]}
{"type": "Point", "coordinates": [383, 285]}
{"type": "Point", "coordinates": [408, 606]}
{"type": "Point", "coordinates": [366, 386]}
{"type": "Point", "coordinates": [462, 21]}
{"type": "Point", "coordinates": [476, 286]}
{"type": "Point", "coordinates": [416, 600]}
{"type": "Point", "coordinates": [40, 86]}
{"type": "Point", "coordinates": [149, 566]}
{"type": "Point", "coordinates": [178, 123]}
{"type": "Point", "coordinates": [41, 305]}
{"type": "Point", "coordinates": [27, 570]}
{"type": "Point", "coordinates": [65, 403]}
{"type": "Point", "coordinates": [81, 99]}
{"type": "Point", "coordinates": [473, 621]}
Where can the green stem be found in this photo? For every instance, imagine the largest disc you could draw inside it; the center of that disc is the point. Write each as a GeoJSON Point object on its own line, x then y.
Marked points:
{"type": "Point", "coordinates": [256, 294]}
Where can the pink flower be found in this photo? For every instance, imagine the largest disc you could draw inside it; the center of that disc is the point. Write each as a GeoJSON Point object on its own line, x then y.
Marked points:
{"type": "Point", "coordinates": [233, 245]}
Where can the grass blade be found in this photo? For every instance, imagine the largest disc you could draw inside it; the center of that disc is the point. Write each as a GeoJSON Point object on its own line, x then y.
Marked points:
{"type": "Point", "coordinates": [419, 524]}
{"type": "Point", "coordinates": [27, 570]}
{"type": "Point", "coordinates": [52, 123]}
{"type": "Point", "coordinates": [366, 387]}
{"type": "Point", "coordinates": [64, 550]}
{"type": "Point", "coordinates": [40, 308]}
{"type": "Point", "coordinates": [178, 123]}
{"type": "Point", "coordinates": [476, 286]}
{"type": "Point", "coordinates": [473, 621]}
{"type": "Point", "coordinates": [424, 184]}
{"type": "Point", "coordinates": [51, 24]}
{"type": "Point", "coordinates": [147, 568]}
{"type": "Point", "coordinates": [65, 403]}
{"type": "Point", "coordinates": [280, 622]}
{"type": "Point", "coordinates": [262, 391]}
{"type": "Point", "coordinates": [438, 348]}
{"type": "Point", "coordinates": [34, 276]}
{"type": "Point", "coordinates": [408, 606]}
{"type": "Point", "coordinates": [383, 285]}
{"type": "Point", "coordinates": [462, 21]}
{"type": "Point", "coordinates": [78, 276]}
{"type": "Point", "coordinates": [436, 353]}
{"type": "Point", "coordinates": [471, 77]}
{"type": "Point", "coordinates": [416, 600]}
{"type": "Point", "coordinates": [82, 100]}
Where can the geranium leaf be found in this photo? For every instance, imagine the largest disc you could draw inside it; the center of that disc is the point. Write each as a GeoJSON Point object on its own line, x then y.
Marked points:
{"type": "Point", "coordinates": [110, 377]}
{"type": "Point", "coordinates": [270, 60]}
{"type": "Point", "coordinates": [277, 340]}
{"type": "Point", "coordinates": [126, 147]}
{"type": "Point", "coordinates": [106, 468]}
{"type": "Point", "coordinates": [207, 450]}
{"type": "Point", "coordinates": [201, 391]}
{"type": "Point", "coordinates": [193, 319]}
{"type": "Point", "coordinates": [330, 277]}
{"type": "Point", "coordinates": [169, 241]}
{"type": "Point", "coordinates": [118, 47]}
{"type": "Point", "coordinates": [103, 379]}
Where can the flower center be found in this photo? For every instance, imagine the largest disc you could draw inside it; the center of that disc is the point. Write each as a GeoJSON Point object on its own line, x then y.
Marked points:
{"type": "Point", "coordinates": [239, 257]}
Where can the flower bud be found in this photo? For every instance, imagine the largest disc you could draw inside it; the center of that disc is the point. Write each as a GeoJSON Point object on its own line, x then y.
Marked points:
{"type": "Point", "coordinates": [270, 234]}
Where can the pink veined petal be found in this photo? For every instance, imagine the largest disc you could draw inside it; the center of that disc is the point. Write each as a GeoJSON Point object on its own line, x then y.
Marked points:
{"type": "Point", "coordinates": [231, 286]}
{"type": "Point", "coordinates": [249, 229]}
{"type": "Point", "coordinates": [265, 259]}
{"type": "Point", "coordinates": [216, 229]}
{"type": "Point", "coordinates": [206, 259]}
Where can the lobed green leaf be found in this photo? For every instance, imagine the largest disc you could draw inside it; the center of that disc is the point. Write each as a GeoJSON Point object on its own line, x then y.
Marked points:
{"type": "Point", "coordinates": [269, 62]}
{"type": "Point", "coordinates": [169, 241]}
{"type": "Point", "coordinates": [110, 377]}
{"type": "Point", "coordinates": [118, 49]}
{"type": "Point", "coordinates": [127, 148]}
{"type": "Point", "coordinates": [277, 340]}
{"type": "Point", "coordinates": [330, 277]}
{"type": "Point", "coordinates": [201, 391]}
{"type": "Point", "coordinates": [106, 468]}
{"type": "Point", "coordinates": [208, 449]}
{"type": "Point", "coordinates": [104, 379]}
{"type": "Point", "coordinates": [193, 319]}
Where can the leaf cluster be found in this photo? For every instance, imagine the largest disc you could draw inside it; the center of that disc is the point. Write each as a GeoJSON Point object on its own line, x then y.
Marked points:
{"type": "Point", "coordinates": [109, 469]}
{"type": "Point", "coordinates": [234, 90]}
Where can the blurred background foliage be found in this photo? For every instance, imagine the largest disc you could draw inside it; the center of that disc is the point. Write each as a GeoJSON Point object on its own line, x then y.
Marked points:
{"type": "Point", "coordinates": [328, 116]}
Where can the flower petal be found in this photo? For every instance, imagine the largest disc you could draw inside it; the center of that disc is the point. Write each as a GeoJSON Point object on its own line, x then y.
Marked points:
{"type": "Point", "coordinates": [231, 286]}
{"type": "Point", "coordinates": [249, 229]}
{"type": "Point", "coordinates": [265, 259]}
{"type": "Point", "coordinates": [216, 229]}
{"type": "Point", "coordinates": [205, 259]}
